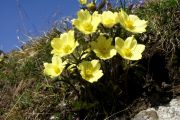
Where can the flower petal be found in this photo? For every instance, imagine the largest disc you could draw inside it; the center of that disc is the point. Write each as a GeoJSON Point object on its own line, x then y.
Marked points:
{"type": "Point", "coordinates": [137, 53]}
{"type": "Point", "coordinates": [130, 42]}
{"type": "Point", "coordinates": [119, 43]}
{"type": "Point", "coordinates": [96, 65]}
{"type": "Point", "coordinates": [84, 15]}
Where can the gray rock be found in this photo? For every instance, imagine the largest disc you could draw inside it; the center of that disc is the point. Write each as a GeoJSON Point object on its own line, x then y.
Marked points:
{"type": "Point", "coordinates": [168, 112]}
{"type": "Point", "coordinates": [149, 114]}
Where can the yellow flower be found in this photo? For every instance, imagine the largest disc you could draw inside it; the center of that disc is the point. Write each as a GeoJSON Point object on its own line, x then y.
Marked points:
{"type": "Point", "coordinates": [64, 45]}
{"type": "Point", "coordinates": [55, 68]}
{"type": "Point", "coordinates": [109, 19]}
{"type": "Point", "coordinates": [86, 22]}
{"type": "Point", "coordinates": [129, 49]}
{"type": "Point", "coordinates": [103, 48]}
{"type": "Point", "coordinates": [82, 2]}
{"type": "Point", "coordinates": [90, 70]}
{"type": "Point", "coordinates": [131, 22]}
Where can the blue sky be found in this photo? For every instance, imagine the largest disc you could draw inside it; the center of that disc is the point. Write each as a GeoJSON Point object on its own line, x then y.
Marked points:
{"type": "Point", "coordinates": [22, 18]}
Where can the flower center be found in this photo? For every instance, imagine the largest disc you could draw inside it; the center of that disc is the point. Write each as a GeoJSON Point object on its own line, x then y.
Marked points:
{"type": "Point", "coordinates": [56, 70]}
{"type": "Point", "coordinates": [129, 24]}
{"type": "Point", "coordinates": [88, 73]}
{"type": "Point", "coordinates": [87, 27]}
{"type": "Point", "coordinates": [103, 50]}
{"type": "Point", "coordinates": [127, 52]}
{"type": "Point", "coordinates": [67, 49]}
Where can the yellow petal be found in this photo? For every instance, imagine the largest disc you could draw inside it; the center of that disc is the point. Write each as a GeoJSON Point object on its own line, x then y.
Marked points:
{"type": "Point", "coordinates": [133, 17]}
{"type": "Point", "coordinates": [122, 16]}
{"type": "Point", "coordinates": [84, 15]}
{"type": "Point", "coordinates": [96, 65]}
{"type": "Point", "coordinates": [137, 53]}
{"type": "Point", "coordinates": [130, 42]}
{"type": "Point", "coordinates": [56, 60]}
{"type": "Point", "coordinates": [56, 43]}
{"type": "Point", "coordinates": [119, 43]}
{"type": "Point", "coordinates": [98, 75]}
{"type": "Point", "coordinates": [83, 65]}
{"type": "Point", "coordinates": [96, 19]}
{"type": "Point", "coordinates": [113, 52]}
{"type": "Point", "coordinates": [70, 36]}
{"type": "Point", "coordinates": [109, 19]}
{"type": "Point", "coordinates": [140, 26]}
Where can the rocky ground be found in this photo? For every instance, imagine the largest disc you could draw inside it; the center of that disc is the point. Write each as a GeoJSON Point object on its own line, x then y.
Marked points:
{"type": "Point", "coordinates": [170, 111]}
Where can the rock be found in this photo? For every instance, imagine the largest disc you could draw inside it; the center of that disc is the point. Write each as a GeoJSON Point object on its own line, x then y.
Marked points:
{"type": "Point", "coordinates": [149, 114]}
{"type": "Point", "coordinates": [168, 112]}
